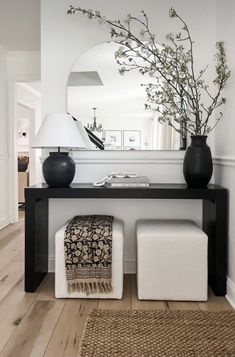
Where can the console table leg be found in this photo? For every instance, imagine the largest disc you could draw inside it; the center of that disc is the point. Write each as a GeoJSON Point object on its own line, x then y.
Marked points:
{"type": "Point", "coordinates": [215, 226]}
{"type": "Point", "coordinates": [36, 242]}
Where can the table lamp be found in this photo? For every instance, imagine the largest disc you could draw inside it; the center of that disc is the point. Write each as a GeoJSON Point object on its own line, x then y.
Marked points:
{"type": "Point", "coordinates": [58, 130]}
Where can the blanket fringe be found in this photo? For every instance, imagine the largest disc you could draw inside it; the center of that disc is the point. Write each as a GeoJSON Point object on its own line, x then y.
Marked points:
{"type": "Point", "coordinates": [90, 287]}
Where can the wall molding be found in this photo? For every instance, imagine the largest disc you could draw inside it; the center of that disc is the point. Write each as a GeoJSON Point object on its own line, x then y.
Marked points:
{"type": "Point", "coordinates": [4, 221]}
{"type": "Point", "coordinates": [124, 157]}
{"type": "Point", "coordinates": [230, 292]}
{"type": "Point", "coordinates": [128, 160]}
{"type": "Point", "coordinates": [138, 157]}
{"type": "Point", "coordinates": [224, 161]}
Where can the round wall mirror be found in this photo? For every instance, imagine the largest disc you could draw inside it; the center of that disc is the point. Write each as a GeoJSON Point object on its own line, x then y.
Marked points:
{"type": "Point", "coordinates": [111, 106]}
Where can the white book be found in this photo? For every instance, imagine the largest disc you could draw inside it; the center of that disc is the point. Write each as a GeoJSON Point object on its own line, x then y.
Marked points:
{"type": "Point", "coordinates": [133, 184]}
{"type": "Point", "coordinates": [141, 181]}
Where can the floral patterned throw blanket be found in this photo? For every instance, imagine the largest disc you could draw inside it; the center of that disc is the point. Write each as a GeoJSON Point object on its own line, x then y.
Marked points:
{"type": "Point", "coordinates": [88, 254]}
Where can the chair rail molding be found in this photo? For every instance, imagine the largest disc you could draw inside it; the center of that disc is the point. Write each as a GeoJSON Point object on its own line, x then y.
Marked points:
{"type": "Point", "coordinates": [140, 157]}
{"type": "Point", "coordinates": [224, 160]}
{"type": "Point", "coordinates": [126, 157]}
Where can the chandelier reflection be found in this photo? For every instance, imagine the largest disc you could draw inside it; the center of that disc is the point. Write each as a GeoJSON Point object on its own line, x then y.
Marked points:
{"type": "Point", "coordinates": [94, 126]}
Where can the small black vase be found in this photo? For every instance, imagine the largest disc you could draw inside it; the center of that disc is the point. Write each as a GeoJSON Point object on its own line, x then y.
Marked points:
{"type": "Point", "coordinates": [58, 169]}
{"type": "Point", "coordinates": [198, 166]}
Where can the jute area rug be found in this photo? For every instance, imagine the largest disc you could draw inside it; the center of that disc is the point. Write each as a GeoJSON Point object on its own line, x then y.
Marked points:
{"type": "Point", "coordinates": [158, 333]}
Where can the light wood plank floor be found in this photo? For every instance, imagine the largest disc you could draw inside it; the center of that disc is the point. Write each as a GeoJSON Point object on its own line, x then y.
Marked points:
{"type": "Point", "coordinates": [38, 325]}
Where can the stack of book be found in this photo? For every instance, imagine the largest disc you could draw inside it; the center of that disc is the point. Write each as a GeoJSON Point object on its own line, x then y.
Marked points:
{"type": "Point", "coordinates": [139, 181]}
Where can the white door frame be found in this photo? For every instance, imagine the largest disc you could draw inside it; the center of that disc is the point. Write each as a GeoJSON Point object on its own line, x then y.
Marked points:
{"type": "Point", "coordinates": [12, 140]}
{"type": "Point", "coordinates": [32, 124]}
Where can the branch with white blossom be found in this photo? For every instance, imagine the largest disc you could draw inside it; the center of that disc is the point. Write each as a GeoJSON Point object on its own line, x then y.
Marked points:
{"type": "Point", "coordinates": [171, 67]}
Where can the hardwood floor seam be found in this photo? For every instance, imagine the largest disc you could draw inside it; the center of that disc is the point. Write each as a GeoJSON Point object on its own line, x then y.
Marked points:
{"type": "Point", "coordinates": [53, 331]}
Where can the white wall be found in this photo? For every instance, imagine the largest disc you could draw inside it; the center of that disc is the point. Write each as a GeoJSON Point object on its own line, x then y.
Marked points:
{"type": "Point", "coordinates": [63, 39]}
{"type": "Point", "coordinates": [224, 135]}
{"type": "Point", "coordinates": [3, 141]}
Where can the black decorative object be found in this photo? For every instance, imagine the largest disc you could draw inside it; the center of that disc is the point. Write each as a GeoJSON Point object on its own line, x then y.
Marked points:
{"type": "Point", "coordinates": [59, 130]}
{"type": "Point", "coordinates": [58, 169]}
{"type": "Point", "coordinates": [94, 126]}
{"type": "Point", "coordinates": [198, 166]}
{"type": "Point", "coordinates": [93, 138]}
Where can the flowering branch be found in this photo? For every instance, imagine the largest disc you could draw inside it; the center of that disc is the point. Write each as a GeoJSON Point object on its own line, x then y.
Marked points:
{"type": "Point", "coordinates": [176, 90]}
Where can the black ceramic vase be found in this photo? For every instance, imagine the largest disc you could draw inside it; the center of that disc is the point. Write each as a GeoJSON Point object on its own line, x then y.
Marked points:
{"type": "Point", "coordinates": [198, 166]}
{"type": "Point", "coordinates": [58, 169]}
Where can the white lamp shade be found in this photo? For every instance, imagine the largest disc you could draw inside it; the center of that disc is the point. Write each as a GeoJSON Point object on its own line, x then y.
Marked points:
{"type": "Point", "coordinates": [58, 130]}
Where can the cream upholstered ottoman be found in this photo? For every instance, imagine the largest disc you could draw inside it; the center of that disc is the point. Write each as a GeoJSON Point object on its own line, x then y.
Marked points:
{"type": "Point", "coordinates": [117, 266]}
{"type": "Point", "coordinates": [171, 260]}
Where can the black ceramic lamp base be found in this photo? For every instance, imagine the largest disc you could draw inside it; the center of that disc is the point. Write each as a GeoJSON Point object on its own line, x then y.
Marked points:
{"type": "Point", "coordinates": [58, 169]}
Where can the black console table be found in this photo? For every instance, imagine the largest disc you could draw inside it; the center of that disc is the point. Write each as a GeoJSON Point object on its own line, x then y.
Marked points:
{"type": "Point", "coordinates": [36, 223]}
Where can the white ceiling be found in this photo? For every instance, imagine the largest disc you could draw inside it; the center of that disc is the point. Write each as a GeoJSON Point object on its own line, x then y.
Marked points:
{"type": "Point", "coordinates": [20, 24]}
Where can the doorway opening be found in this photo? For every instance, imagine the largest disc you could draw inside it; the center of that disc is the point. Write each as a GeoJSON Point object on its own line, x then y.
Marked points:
{"type": "Point", "coordinates": [27, 120]}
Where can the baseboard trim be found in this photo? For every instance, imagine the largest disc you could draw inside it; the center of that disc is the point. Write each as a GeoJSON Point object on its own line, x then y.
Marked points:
{"type": "Point", "coordinates": [4, 222]}
{"type": "Point", "coordinates": [230, 296]}
{"type": "Point", "coordinates": [129, 265]}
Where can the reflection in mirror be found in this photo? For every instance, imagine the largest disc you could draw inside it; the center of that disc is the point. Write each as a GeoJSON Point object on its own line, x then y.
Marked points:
{"type": "Point", "coordinates": [112, 106]}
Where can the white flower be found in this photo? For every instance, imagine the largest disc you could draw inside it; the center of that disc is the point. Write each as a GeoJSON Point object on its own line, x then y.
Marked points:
{"type": "Point", "coordinates": [128, 19]}
{"type": "Point", "coordinates": [119, 53]}
{"type": "Point", "coordinates": [101, 20]}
